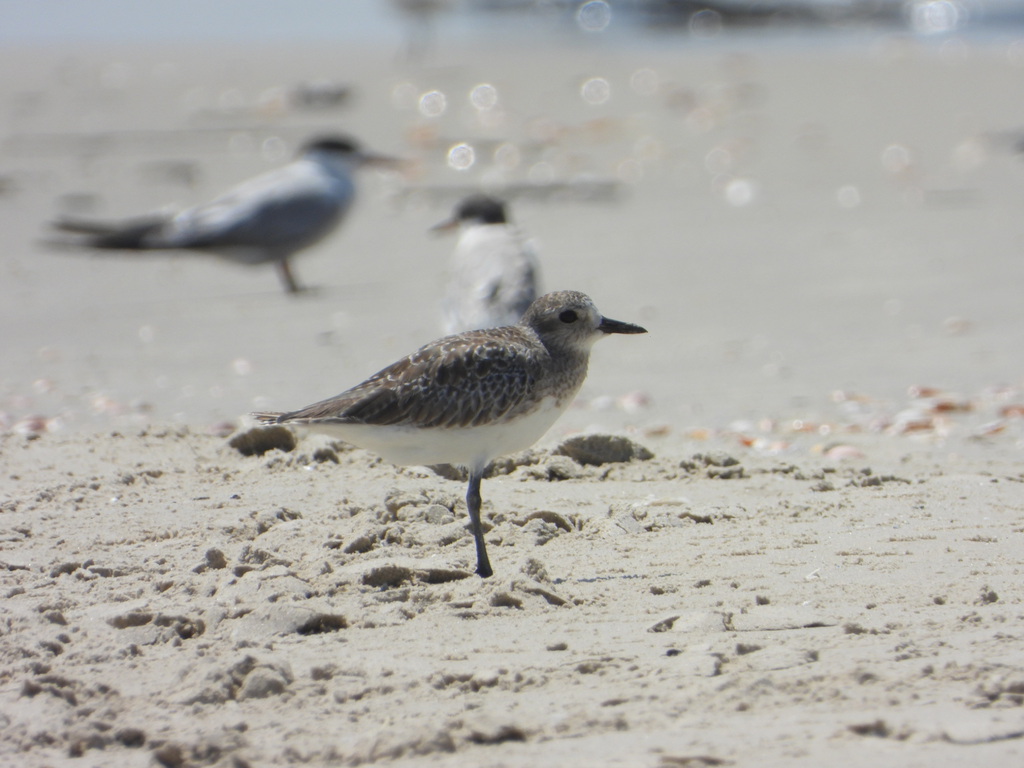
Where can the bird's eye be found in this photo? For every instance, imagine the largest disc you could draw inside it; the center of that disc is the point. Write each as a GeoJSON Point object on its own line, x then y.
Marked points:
{"type": "Point", "coordinates": [569, 316]}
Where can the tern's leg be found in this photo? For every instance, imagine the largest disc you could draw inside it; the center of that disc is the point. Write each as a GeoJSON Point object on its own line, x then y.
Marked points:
{"type": "Point", "coordinates": [483, 565]}
{"type": "Point", "coordinates": [285, 272]}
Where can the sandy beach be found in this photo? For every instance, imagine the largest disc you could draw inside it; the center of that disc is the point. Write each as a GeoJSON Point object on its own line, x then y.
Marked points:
{"type": "Point", "coordinates": [818, 564]}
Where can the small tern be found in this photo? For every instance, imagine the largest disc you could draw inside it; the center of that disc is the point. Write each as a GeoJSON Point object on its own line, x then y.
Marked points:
{"type": "Point", "coordinates": [266, 219]}
{"type": "Point", "coordinates": [494, 274]}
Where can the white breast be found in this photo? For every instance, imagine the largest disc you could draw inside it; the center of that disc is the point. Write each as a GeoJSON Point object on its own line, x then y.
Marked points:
{"type": "Point", "coordinates": [472, 447]}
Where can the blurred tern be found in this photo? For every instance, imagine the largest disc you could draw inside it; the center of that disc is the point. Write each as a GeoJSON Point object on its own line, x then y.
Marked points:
{"type": "Point", "coordinates": [494, 273]}
{"type": "Point", "coordinates": [266, 219]}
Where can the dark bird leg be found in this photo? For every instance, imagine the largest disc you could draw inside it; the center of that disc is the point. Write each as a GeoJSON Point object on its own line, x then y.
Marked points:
{"type": "Point", "coordinates": [483, 565]}
{"type": "Point", "coordinates": [284, 270]}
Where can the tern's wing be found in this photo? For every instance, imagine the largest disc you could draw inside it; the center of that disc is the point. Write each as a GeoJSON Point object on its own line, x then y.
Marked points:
{"type": "Point", "coordinates": [128, 235]}
{"type": "Point", "coordinates": [494, 278]}
{"type": "Point", "coordinates": [512, 292]}
{"type": "Point", "coordinates": [282, 211]}
{"type": "Point", "coordinates": [467, 380]}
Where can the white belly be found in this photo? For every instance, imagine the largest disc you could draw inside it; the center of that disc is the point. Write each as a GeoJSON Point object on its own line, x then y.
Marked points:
{"type": "Point", "coordinates": [472, 447]}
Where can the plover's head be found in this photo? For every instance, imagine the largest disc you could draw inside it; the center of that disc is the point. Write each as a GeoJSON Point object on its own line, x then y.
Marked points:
{"type": "Point", "coordinates": [475, 209]}
{"type": "Point", "coordinates": [569, 319]}
{"type": "Point", "coordinates": [344, 149]}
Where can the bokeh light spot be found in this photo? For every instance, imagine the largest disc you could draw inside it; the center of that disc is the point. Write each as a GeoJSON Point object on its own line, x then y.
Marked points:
{"type": "Point", "coordinates": [706, 23]}
{"type": "Point", "coordinates": [594, 16]}
{"type": "Point", "coordinates": [507, 156]}
{"type": "Point", "coordinates": [848, 196]}
{"type": "Point", "coordinates": [718, 160]}
{"type": "Point", "coordinates": [932, 17]}
{"type": "Point", "coordinates": [644, 82]}
{"type": "Point", "coordinates": [895, 158]}
{"type": "Point", "coordinates": [596, 91]}
{"type": "Point", "coordinates": [433, 104]}
{"type": "Point", "coordinates": [969, 154]}
{"type": "Point", "coordinates": [461, 157]}
{"type": "Point", "coordinates": [740, 192]}
{"type": "Point", "coordinates": [484, 97]}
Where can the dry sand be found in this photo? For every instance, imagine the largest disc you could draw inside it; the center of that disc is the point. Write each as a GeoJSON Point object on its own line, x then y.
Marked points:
{"type": "Point", "coordinates": [821, 564]}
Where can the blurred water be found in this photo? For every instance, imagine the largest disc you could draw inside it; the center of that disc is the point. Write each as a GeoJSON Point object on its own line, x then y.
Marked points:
{"type": "Point", "coordinates": [29, 21]}
{"type": "Point", "coordinates": [365, 21]}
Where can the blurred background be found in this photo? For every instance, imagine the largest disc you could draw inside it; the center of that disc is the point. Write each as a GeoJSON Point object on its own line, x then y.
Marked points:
{"type": "Point", "coordinates": [392, 20]}
{"type": "Point", "coordinates": [813, 206]}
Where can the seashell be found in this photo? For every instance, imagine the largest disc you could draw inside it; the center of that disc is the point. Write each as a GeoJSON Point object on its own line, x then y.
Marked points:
{"type": "Point", "coordinates": [31, 426]}
{"type": "Point", "coordinates": [917, 391]}
{"type": "Point", "coordinates": [946, 404]}
{"type": "Point", "coordinates": [799, 425]}
{"type": "Point", "coordinates": [912, 421]}
{"type": "Point", "coordinates": [842, 452]}
{"type": "Point", "coordinates": [550, 517]}
{"type": "Point", "coordinates": [990, 428]}
{"type": "Point", "coordinates": [634, 401]}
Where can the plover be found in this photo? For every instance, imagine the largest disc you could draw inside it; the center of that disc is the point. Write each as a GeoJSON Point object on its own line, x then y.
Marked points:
{"type": "Point", "coordinates": [470, 398]}
{"type": "Point", "coordinates": [266, 219]}
{"type": "Point", "coordinates": [493, 275]}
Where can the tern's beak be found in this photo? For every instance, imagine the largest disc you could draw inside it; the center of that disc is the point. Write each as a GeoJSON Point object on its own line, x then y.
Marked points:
{"type": "Point", "coordinates": [608, 325]}
{"type": "Point", "coordinates": [382, 161]}
{"type": "Point", "coordinates": [445, 226]}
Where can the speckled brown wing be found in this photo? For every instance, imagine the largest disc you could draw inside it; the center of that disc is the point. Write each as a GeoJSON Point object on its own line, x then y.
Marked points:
{"type": "Point", "coordinates": [472, 379]}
